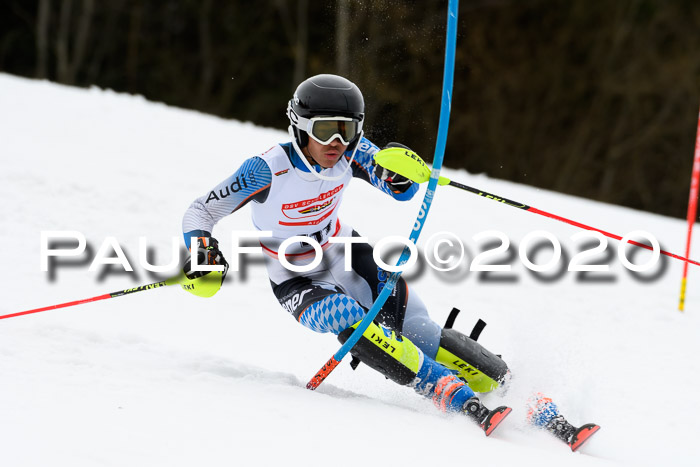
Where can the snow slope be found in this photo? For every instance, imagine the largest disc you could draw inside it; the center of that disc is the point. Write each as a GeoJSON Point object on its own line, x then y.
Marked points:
{"type": "Point", "coordinates": [165, 378]}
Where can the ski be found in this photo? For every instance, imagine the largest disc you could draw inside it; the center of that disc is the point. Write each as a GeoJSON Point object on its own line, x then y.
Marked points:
{"type": "Point", "coordinates": [574, 437]}
{"type": "Point", "coordinates": [494, 418]}
{"type": "Point", "coordinates": [544, 413]}
{"type": "Point", "coordinates": [581, 435]}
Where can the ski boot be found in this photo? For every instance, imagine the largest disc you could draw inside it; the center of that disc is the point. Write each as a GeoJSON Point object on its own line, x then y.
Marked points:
{"type": "Point", "coordinates": [565, 431]}
{"type": "Point", "coordinates": [487, 419]}
{"type": "Point", "coordinates": [450, 394]}
{"type": "Point", "coordinates": [544, 413]}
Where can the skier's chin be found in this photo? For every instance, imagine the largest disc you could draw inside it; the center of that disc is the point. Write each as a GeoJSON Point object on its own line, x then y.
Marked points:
{"type": "Point", "coordinates": [328, 161]}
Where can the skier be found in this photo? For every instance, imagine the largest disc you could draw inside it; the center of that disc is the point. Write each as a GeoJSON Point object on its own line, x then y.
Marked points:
{"type": "Point", "coordinates": [295, 189]}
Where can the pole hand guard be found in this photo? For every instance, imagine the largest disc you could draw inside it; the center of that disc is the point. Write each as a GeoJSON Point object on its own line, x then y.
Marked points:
{"type": "Point", "coordinates": [204, 283]}
{"type": "Point", "coordinates": [405, 162]}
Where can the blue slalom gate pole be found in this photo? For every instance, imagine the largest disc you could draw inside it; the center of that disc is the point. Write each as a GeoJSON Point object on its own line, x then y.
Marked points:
{"type": "Point", "coordinates": [447, 84]}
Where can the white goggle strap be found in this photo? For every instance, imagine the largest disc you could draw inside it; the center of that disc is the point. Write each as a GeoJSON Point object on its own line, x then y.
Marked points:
{"type": "Point", "coordinates": [311, 168]}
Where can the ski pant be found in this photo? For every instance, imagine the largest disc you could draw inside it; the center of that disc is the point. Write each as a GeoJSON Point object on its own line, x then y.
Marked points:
{"type": "Point", "coordinates": [330, 299]}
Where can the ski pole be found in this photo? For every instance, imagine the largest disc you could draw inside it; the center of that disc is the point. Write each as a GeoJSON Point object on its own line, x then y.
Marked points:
{"type": "Point", "coordinates": [418, 171]}
{"type": "Point", "coordinates": [447, 82]}
{"type": "Point", "coordinates": [524, 207]}
{"type": "Point", "coordinates": [172, 281]}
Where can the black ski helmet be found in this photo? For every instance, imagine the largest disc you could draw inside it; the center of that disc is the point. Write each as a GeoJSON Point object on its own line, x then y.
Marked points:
{"type": "Point", "coordinates": [325, 96]}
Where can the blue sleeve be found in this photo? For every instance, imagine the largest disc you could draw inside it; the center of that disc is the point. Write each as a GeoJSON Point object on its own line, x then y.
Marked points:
{"type": "Point", "coordinates": [251, 182]}
{"type": "Point", "coordinates": [362, 167]}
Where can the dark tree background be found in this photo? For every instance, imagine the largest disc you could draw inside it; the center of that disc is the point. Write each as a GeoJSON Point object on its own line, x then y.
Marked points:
{"type": "Point", "coordinates": [594, 98]}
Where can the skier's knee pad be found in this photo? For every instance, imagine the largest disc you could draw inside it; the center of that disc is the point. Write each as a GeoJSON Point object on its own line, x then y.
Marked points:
{"type": "Point", "coordinates": [381, 349]}
{"type": "Point", "coordinates": [484, 371]}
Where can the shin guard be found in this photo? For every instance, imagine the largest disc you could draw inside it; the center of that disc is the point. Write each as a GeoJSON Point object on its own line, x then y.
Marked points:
{"type": "Point", "coordinates": [481, 369]}
{"type": "Point", "coordinates": [383, 350]}
{"type": "Point", "coordinates": [401, 361]}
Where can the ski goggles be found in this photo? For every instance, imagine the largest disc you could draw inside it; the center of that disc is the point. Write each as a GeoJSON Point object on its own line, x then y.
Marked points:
{"type": "Point", "coordinates": [326, 129]}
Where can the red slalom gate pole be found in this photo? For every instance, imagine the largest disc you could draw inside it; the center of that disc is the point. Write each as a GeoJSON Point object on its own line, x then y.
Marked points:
{"type": "Point", "coordinates": [155, 285]}
{"type": "Point", "coordinates": [692, 212]}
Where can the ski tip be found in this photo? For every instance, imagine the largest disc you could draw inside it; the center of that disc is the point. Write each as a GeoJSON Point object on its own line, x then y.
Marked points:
{"type": "Point", "coordinates": [495, 418]}
{"type": "Point", "coordinates": [582, 435]}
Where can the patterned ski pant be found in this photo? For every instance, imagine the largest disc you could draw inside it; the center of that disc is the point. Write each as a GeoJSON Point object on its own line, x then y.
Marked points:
{"type": "Point", "coordinates": [330, 299]}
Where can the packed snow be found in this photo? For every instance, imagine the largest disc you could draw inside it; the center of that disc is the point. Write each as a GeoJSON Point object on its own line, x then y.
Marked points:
{"type": "Point", "coordinates": [161, 377]}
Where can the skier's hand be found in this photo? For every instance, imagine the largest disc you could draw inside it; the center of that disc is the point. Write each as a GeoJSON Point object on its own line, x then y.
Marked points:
{"type": "Point", "coordinates": [207, 254]}
{"type": "Point", "coordinates": [396, 182]}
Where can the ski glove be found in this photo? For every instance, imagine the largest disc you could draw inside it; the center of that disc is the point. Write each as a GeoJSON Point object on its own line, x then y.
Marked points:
{"type": "Point", "coordinates": [204, 283]}
{"type": "Point", "coordinates": [396, 182]}
{"type": "Point", "coordinates": [207, 254]}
